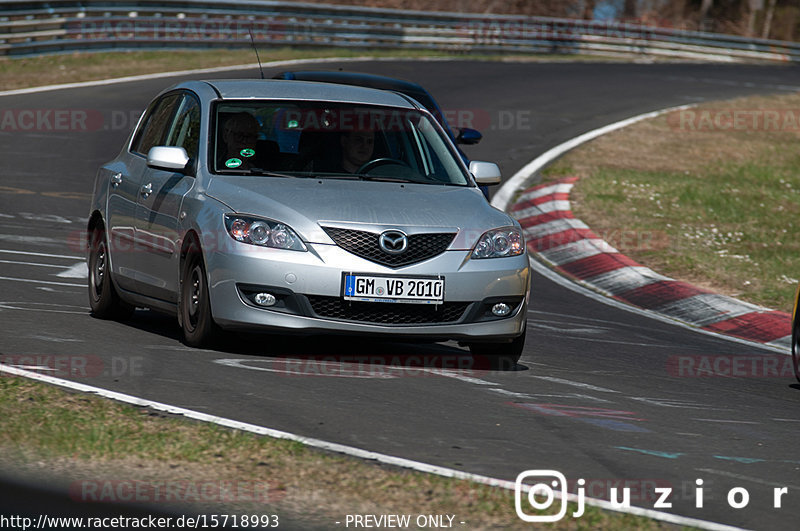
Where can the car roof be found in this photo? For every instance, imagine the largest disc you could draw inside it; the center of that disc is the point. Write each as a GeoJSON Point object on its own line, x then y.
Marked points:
{"type": "Point", "coordinates": [302, 90]}
{"type": "Point", "coordinates": [360, 79]}
{"type": "Point", "coordinates": [355, 78]}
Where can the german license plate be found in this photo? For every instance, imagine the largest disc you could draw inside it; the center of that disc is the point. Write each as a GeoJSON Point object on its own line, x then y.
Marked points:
{"type": "Point", "coordinates": [372, 288]}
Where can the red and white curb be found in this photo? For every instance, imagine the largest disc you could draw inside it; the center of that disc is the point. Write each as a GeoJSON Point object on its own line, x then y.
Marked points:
{"type": "Point", "coordinates": [566, 244]}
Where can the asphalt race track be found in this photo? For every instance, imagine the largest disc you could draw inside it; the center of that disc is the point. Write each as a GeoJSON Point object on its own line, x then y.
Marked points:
{"type": "Point", "coordinates": [601, 393]}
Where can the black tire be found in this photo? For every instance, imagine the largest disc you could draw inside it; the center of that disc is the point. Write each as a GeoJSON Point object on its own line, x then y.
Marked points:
{"type": "Point", "coordinates": [103, 297]}
{"type": "Point", "coordinates": [199, 328]}
{"type": "Point", "coordinates": [500, 356]}
{"type": "Point", "coordinates": [796, 349]}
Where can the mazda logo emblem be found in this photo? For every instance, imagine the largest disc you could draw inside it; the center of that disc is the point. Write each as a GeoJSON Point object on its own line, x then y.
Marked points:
{"type": "Point", "coordinates": [393, 242]}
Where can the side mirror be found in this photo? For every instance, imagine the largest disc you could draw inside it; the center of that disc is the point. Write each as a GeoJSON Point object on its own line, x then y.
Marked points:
{"type": "Point", "coordinates": [168, 158]}
{"type": "Point", "coordinates": [485, 173]}
{"type": "Point", "coordinates": [468, 136]}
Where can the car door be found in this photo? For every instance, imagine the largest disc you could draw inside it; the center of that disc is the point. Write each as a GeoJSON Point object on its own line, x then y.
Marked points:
{"type": "Point", "coordinates": [124, 186]}
{"type": "Point", "coordinates": [161, 195]}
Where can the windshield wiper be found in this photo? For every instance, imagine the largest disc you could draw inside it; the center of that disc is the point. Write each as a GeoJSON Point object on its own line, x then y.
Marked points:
{"type": "Point", "coordinates": [267, 173]}
{"type": "Point", "coordinates": [366, 177]}
{"type": "Point", "coordinates": [387, 179]}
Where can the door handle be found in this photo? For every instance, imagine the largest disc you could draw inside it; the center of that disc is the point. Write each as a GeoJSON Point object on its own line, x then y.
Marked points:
{"type": "Point", "coordinates": [116, 180]}
{"type": "Point", "coordinates": [146, 190]}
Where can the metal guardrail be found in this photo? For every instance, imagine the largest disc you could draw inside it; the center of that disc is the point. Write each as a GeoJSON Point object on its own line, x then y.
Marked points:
{"type": "Point", "coordinates": [39, 27]}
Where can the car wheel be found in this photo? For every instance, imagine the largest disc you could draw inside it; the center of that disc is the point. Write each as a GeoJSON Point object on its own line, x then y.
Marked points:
{"type": "Point", "coordinates": [103, 297]}
{"type": "Point", "coordinates": [198, 325]}
{"type": "Point", "coordinates": [796, 349]}
{"type": "Point", "coordinates": [501, 356]}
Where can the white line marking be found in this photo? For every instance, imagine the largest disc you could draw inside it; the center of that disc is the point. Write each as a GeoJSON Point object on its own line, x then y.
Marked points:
{"type": "Point", "coordinates": [728, 421]}
{"type": "Point", "coordinates": [786, 420]}
{"type": "Point", "coordinates": [34, 367]}
{"type": "Point", "coordinates": [534, 396]}
{"type": "Point", "coordinates": [462, 377]}
{"type": "Point", "coordinates": [671, 402]}
{"type": "Point", "coordinates": [567, 328]}
{"type": "Point", "coordinates": [34, 307]}
{"type": "Point", "coordinates": [57, 339]}
{"type": "Point", "coordinates": [9, 251]}
{"type": "Point", "coordinates": [79, 270]}
{"type": "Point", "coordinates": [633, 343]}
{"type": "Point", "coordinates": [43, 282]}
{"type": "Point", "coordinates": [353, 451]}
{"type": "Point", "coordinates": [233, 68]}
{"type": "Point", "coordinates": [28, 239]}
{"type": "Point", "coordinates": [320, 368]}
{"type": "Point", "coordinates": [36, 264]}
{"type": "Point", "coordinates": [312, 368]}
{"type": "Point", "coordinates": [582, 385]}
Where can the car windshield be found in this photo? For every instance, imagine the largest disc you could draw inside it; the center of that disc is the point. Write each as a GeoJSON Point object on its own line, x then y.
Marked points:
{"type": "Point", "coordinates": [331, 140]}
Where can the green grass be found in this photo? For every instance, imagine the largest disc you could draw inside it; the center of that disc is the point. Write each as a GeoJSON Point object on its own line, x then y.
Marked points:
{"type": "Point", "coordinates": [75, 67]}
{"type": "Point", "coordinates": [25, 72]}
{"type": "Point", "coordinates": [723, 205]}
{"type": "Point", "coordinates": [47, 429]}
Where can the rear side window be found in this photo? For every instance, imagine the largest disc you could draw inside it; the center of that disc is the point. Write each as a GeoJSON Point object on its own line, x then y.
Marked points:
{"type": "Point", "coordinates": [153, 129]}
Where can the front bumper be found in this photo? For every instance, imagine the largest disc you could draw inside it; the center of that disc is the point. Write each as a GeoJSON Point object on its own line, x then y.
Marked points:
{"type": "Point", "coordinates": [309, 290]}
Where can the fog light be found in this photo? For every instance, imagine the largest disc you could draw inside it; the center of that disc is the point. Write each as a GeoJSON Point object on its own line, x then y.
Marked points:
{"type": "Point", "coordinates": [264, 299]}
{"type": "Point", "coordinates": [501, 309]}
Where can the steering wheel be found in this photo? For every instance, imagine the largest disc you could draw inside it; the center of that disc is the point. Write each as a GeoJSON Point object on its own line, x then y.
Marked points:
{"type": "Point", "coordinates": [371, 165]}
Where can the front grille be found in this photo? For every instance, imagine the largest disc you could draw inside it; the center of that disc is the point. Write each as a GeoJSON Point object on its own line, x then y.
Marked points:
{"type": "Point", "coordinates": [365, 244]}
{"type": "Point", "coordinates": [386, 312]}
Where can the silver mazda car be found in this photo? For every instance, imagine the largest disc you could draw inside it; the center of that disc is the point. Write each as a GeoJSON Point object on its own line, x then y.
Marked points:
{"type": "Point", "coordinates": [299, 207]}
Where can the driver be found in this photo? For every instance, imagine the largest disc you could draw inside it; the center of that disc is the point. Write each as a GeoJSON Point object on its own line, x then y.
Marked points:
{"type": "Point", "coordinates": [357, 148]}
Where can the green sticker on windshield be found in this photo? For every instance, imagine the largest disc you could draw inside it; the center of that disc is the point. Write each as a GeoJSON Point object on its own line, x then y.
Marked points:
{"type": "Point", "coordinates": [247, 152]}
{"type": "Point", "coordinates": [233, 163]}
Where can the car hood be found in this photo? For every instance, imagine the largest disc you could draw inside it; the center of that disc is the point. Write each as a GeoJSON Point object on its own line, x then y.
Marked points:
{"type": "Point", "coordinates": [305, 204]}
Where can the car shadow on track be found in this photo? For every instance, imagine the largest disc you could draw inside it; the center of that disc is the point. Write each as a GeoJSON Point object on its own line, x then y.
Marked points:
{"type": "Point", "coordinates": [353, 353]}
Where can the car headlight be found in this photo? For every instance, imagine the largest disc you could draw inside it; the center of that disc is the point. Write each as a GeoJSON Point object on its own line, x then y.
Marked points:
{"type": "Point", "coordinates": [263, 232]}
{"type": "Point", "coordinates": [499, 243]}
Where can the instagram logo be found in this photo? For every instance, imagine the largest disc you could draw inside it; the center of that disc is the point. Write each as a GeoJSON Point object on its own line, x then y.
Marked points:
{"type": "Point", "coordinates": [541, 486]}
